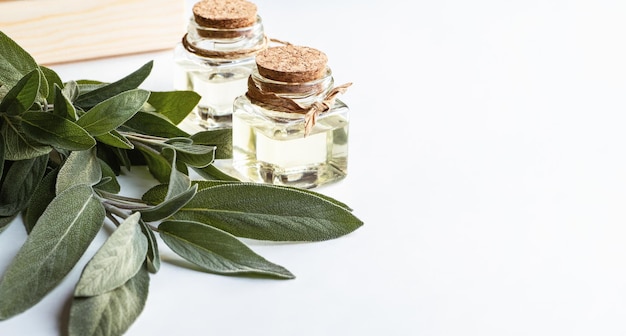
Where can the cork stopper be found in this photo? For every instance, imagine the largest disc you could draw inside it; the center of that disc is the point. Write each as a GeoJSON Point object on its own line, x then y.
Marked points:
{"type": "Point", "coordinates": [225, 14]}
{"type": "Point", "coordinates": [292, 64]}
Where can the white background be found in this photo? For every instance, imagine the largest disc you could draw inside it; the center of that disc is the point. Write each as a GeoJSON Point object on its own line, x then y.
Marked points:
{"type": "Point", "coordinates": [487, 160]}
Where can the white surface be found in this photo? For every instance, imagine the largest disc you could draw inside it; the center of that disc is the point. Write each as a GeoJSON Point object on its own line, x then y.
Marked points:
{"type": "Point", "coordinates": [487, 160]}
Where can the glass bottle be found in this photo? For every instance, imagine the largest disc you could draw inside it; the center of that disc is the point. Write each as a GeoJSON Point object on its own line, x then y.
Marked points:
{"type": "Point", "coordinates": [289, 129]}
{"type": "Point", "coordinates": [216, 56]}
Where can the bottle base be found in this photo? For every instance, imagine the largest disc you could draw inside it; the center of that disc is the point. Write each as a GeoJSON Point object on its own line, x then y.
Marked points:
{"type": "Point", "coordinates": [208, 121]}
{"type": "Point", "coordinates": [301, 177]}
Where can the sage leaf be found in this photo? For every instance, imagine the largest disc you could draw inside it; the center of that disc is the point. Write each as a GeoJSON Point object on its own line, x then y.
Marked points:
{"type": "Point", "coordinates": [23, 95]}
{"type": "Point", "coordinates": [71, 90]}
{"type": "Point", "coordinates": [216, 250]}
{"type": "Point", "coordinates": [112, 186]}
{"type": "Point", "coordinates": [264, 212]}
{"type": "Point", "coordinates": [193, 155]}
{"type": "Point", "coordinates": [153, 124]}
{"type": "Point", "coordinates": [15, 62]}
{"type": "Point", "coordinates": [56, 131]}
{"type": "Point", "coordinates": [170, 206]}
{"type": "Point", "coordinates": [175, 105]}
{"type": "Point", "coordinates": [17, 146]}
{"type": "Point", "coordinates": [211, 172]}
{"type": "Point", "coordinates": [80, 167]}
{"type": "Point", "coordinates": [158, 166]}
{"type": "Point", "coordinates": [104, 92]}
{"type": "Point", "coordinates": [179, 183]}
{"type": "Point", "coordinates": [157, 194]}
{"type": "Point", "coordinates": [115, 139]}
{"type": "Point", "coordinates": [178, 194]}
{"type": "Point", "coordinates": [54, 246]}
{"type": "Point", "coordinates": [113, 112]}
{"type": "Point", "coordinates": [63, 106]}
{"type": "Point", "coordinates": [19, 184]}
{"type": "Point", "coordinates": [42, 196]}
{"type": "Point", "coordinates": [111, 313]}
{"type": "Point", "coordinates": [221, 138]}
{"type": "Point", "coordinates": [117, 260]}
{"type": "Point", "coordinates": [1, 154]}
{"type": "Point", "coordinates": [153, 259]}
{"type": "Point", "coordinates": [51, 80]}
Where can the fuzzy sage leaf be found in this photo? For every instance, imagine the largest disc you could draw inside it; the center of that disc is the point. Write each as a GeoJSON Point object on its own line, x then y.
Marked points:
{"type": "Point", "coordinates": [55, 244]}
{"type": "Point", "coordinates": [216, 250]}
{"type": "Point", "coordinates": [105, 91]}
{"type": "Point", "coordinates": [175, 105]}
{"type": "Point", "coordinates": [21, 180]}
{"type": "Point", "coordinates": [15, 62]}
{"type": "Point", "coordinates": [110, 313]}
{"type": "Point", "coordinates": [16, 145]}
{"type": "Point", "coordinates": [179, 193]}
{"type": "Point", "coordinates": [22, 96]}
{"type": "Point", "coordinates": [49, 129]}
{"type": "Point", "coordinates": [42, 196]}
{"type": "Point", "coordinates": [81, 167]}
{"type": "Point", "coordinates": [117, 260]}
{"type": "Point", "coordinates": [113, 112]}
{"type": "Point", "coordinates": [268, 213]}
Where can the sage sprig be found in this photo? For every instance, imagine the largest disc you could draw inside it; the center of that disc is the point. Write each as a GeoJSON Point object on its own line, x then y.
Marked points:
{"type": "Point", "coordinates": [62, 147]}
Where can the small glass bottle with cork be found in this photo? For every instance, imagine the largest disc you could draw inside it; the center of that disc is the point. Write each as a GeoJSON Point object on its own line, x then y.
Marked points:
{"type": "Point", "coordinates": [216, 56]}
{"type": "Point", "coordinates": [289, 128]}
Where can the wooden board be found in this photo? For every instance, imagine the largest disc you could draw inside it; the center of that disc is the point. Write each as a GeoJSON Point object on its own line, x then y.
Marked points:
{"type": "Point", "coordinates": [56, 31]}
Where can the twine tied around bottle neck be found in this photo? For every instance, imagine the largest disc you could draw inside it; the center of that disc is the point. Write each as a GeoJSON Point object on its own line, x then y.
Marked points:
{"type": "Point", "coordinates": [311, 112]}
{"type": "Point", "coordinates": [230, 54]}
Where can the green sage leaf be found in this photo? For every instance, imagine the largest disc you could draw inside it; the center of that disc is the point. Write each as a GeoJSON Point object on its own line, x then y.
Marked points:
{"type": "Point", "coordinates": [17, 146]}
{"type": "Point", "coordinates": [105, 92]}
{"type": "Point", "coordinates": [54, 246]}
{"type": "Point", "coordinates": [179, 183]}
{"type": "Point", "coordinates": [63, 106]}
{"type": "Point", "coordinates": [112, 186]}
{"type": "Point", "coordinates": [71, 90]}
{"type": "Point", "coordinates": [56, 131]}
{"type": "Point", "coordinates": [20, 182]}
{"type": "Point", "coordinates": [193, 155]}
{"type": "Point", "coordinates": [264, 212]}
{"type": "Point", "coordinates": [169, 207]}
{"type": "Point", "coordinates": [42, 196]}
{"type": "Point", "coordinates": [115, 139]}
{"type": "Point", "coordinates": [216, 250]}
{"type": "Point", "coordinates": [175, 105]}
{"type": "Point", "coordinates": [153, 259]}
{"type": "Point", "coordinates": [113, 112]}
{"type": "Point", "coordinates": [157, 194]}
{"type": "Point", "coordinates": [158, 166]}
{"type": "Point", "coordinates": [153, 124]}
{"type": "Point", "coordinates": [111, 313]}
{"type": "Point", "coordinates": [15, 62]}
{"type": "Point", "coordinates": [80, 167]}
{"type": "Point", "coordinates": [221, 138]}
{"type": "Point", "coordinates": [1, 154]}
{"type": "Point", "coordinates": [23, 95]}
{"type": "Point", "coordinates": [118, 260]}
{"type": "Point", "coordinates": [178, 194]}
{"type": "Point", "coordinates": [51, 79]}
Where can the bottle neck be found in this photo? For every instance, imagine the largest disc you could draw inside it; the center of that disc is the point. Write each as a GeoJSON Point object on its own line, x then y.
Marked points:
{"type": "Point", "coordinates": [309, 99]}
{"type": "Point", "coordinates": [291, 95]}
{"type": "Point", "coordinates": [221, 43]}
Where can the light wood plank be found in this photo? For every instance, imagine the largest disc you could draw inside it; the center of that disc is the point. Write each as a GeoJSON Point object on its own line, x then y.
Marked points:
{"type": "Point", "coordinates": [55, 31]}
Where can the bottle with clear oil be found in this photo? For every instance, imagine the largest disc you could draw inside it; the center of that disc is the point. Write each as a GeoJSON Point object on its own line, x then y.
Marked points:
{"type": "Point", "coordinates": [216, 56]}
{"type": "Point", "coordinates": [289, 128]}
